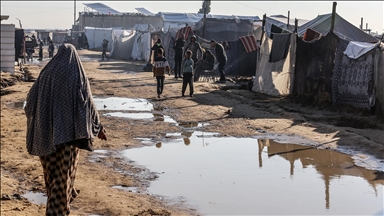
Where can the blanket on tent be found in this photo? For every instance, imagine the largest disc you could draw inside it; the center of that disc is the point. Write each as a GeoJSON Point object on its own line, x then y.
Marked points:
{"type": "Point", "coordinates": [186, 31]}
{"type": "Point", "coordinates": [352, 79]}
{"type": "Point", "coordinates": [275, 78]}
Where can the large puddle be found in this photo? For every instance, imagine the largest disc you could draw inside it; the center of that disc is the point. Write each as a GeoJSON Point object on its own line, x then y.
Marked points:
{"type": "Point", "coordinates": [240, 176]}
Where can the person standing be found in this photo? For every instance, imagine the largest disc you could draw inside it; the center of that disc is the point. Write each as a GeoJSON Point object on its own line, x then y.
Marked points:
{"type": "Point", "coordinates": [205, 64]}
{"type": "Point", "coordinates": [195, 48]}
{"type": "Point", "coordinates": [61, 119]}
{"type": "Point", "coordinates": [179, 48]}
{"type": "Point", "coordinates": [51, 48]}
{"type": "Point", "coordinates": [48, 39]}
{"type": "Point", "coordinates": [105, 46]}
{"type": "Point", "coordinates": [160, 65]}
{"type": "Point", "coordinates": [41, 44]}
{"type": "Point", "coordinates": [156, 47]}
{"type": "Point", "coordinates": [187, 74]}
{"type": "Point", "coordinates": [221, 57]}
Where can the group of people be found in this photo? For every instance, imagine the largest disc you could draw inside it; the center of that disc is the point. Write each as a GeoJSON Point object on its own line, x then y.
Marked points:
{"type": "Point", "coordinates": [195, 61]}
{"type": "Point", "coordinates": [51, 49]}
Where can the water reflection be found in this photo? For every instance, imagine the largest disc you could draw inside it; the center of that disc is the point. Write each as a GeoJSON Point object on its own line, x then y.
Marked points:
{"type": "Point", "coordinates": [330, 164]}
{"type": "Point", "coordinates": [237, 176]}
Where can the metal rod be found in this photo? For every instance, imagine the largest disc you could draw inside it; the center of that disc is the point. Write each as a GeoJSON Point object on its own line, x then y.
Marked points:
{"type": "Point", "coordinates": [333, 16]}
{"type": "Point", "coordinates": [205, 15]}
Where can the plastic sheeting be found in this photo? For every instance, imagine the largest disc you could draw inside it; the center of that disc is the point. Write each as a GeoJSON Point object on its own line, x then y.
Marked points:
{"type": "Point", "coordinates": [275, 78]}
{"type": "Point", "coordinates": [95, 37]}
{"type": "Point", "coordinates": [123, 46]}
{"type": "Point", "coordinates": [224, 29]}
{"type": "Point", "coordinates": [379, 79]}
{"type": "Point", "coordinates": [343, 28]}
{"type": "Point", "coordinates": [356, 49]}
{"type": "Point", "coordinates": [142, 43]}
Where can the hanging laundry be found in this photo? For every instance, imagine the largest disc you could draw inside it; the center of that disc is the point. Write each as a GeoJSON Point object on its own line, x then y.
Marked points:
{"type": "Point", "coordinates": [280, 46]}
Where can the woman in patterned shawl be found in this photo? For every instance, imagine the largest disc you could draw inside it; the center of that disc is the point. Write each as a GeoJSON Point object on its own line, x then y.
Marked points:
{"type": "Point", "coordinates": [61, 119]}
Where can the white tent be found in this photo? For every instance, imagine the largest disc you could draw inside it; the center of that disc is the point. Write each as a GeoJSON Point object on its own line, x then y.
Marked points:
{"type": "Point", "coordinates": [95, 37]}
{"type": "Point", "coordinates": [122, 44]}
{"type": "Point", "coordinates": [142, 44]}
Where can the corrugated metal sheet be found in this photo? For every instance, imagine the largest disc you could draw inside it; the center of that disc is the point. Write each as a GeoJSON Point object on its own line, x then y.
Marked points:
{"type": "Point", "coordinates": [8, 48]}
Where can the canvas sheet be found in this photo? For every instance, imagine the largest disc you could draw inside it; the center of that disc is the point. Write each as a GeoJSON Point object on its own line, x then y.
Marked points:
{"type": "Point", "coordinates": [356, 49]}
{"type": "Point", "coordinates": [123, 46]}
{"type": "Point", "coordinates": [142, 47]}
{"type": "Point", "coordinates": [352, 79]}
{"type": "Point", "coordinates": [95, 37]}
{"type": "Point", "coordinates": [275, 78]}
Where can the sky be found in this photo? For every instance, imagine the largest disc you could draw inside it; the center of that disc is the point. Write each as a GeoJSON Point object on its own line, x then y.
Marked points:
{"type": "Point", "coordinates": [60, 14]}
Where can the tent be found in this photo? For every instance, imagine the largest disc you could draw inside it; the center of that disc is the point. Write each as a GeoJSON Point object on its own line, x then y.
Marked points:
{"type": "Point", "coordinates": [122, 44]}
{"type": "Point", "coordinates": [276, 65]}
{"type": "Point", "coordinates": [95, 37]}
{"type": "Point", "coordinates": [142, 43]}
{"type": "Point", "coordinates": [316, 60]}
{"type": "Point", "coordinates": [343, 29]}
{"type": "Point", "coordinates": [224, 29]}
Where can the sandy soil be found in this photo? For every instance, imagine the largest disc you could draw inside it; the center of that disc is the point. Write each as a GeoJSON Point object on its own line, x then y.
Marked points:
{"type": "Point", "coordinates": [228, 108]}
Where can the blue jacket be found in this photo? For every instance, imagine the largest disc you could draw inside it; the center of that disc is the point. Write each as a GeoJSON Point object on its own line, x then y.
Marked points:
{"type": "Point", "coordinates": [188, 66]}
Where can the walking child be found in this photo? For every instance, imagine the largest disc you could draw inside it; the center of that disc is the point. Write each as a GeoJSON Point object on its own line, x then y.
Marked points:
{"type": "Point", "coordinates": [187, 73]}
{"type": "Point", "coordinates": [160, 64]}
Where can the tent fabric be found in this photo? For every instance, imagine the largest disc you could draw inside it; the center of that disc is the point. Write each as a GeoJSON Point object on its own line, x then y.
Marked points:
{"type": "Point", "coordinates": [343, 29]}
{"type": "Point", "coordinates": [352, 80]}
{"type": "Point", "coordinates": [314, 64]}
{"type": "Point", "coordinates": [95, 37]}
{"type": "Point", "coordinates": [356, 49]}
{"type": "Point", "coordinates": [275, 78]}
{"type": "Point", "coordinates": [280, 47]}
{"type": "Point", "coordinates": [249, 42]}
{"type": "Point", "coordinates": [186, 31]}
{"type": "Point", "coordinates": [123, 46]}
{"type": "Point", "coordinates": [223, 29]}
{"type": "Point", "coordinates": [142, 43]}
{"type": "Point", "coordinates": [311, 35]}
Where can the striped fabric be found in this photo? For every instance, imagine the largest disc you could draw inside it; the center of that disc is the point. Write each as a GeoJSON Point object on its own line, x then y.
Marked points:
{"type": "Point", "coordinates": [186, 31]}
{"type": "Point", "coordinates": [60, 106]}
{"type": "Point", "coordinates": [249, 43]}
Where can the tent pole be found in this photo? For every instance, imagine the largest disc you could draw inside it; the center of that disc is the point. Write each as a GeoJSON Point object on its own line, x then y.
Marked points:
{"type": "Point", "coordinates": [288, 20]}
{"type": "Point", "coordinates": [333, 16]}
{"type": "Point", "coordinates": [205, 15]}
{"type": "Point", "coordinates": [263, 28]}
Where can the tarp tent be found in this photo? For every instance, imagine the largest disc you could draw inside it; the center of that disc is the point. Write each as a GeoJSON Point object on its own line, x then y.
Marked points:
{"type": "Point", "coordinates": [224, 29]}
{"type": "Point", "coordinates": [343, 29]}
{"type": "Point", "coordinates": [316, 71]}
{"type": "Point", "coordinates": [142, 43]}
{"type": "Point", "coordinates": [122, 44]}
{"type": "Point", "coordinates": [95, 37]}
{"type": "Point", "coordinates": [275, 77]}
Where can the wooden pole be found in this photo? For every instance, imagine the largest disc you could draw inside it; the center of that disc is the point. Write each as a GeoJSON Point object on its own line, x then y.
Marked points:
{"type": "Point", "coordinates": [361, 25]}
{"type": "Point", "coordinates": [205, 15]}
{"type": "Point", "coordinates": [333, 16]}
{"type": "Point", "coordinates": [288, 20]}
{"type": "Point", "coordinates": [263, 28]}
{"type": "Point", "coordinates": [296, 24]}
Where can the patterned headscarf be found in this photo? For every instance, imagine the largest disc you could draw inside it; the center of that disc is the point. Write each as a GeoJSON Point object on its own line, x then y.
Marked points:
{"type": "Point", "coordinates": [59, 105]}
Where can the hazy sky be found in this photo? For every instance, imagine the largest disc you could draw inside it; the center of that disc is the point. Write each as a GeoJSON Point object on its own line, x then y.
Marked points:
{"type": "Point", "coordinates": [60, 14]}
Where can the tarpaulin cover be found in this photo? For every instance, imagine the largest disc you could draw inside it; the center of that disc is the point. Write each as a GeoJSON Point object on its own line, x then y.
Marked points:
{"type": "Point", "coordinates": [352, 79]}
{"type": "Point", "coordinates": [224, 29]}
{"type": "Point", "coordinates": [314, 64]}
{"type": "Point", "coordinates": [123, 46]}
{"type": "Point", "coordinates": [356, 49]}
{"type": "Point", "coordinates": [275, 78]}
{"type": "Point", "coordinates": [95, 37]}
{"type": "Point", "coordinates": [343, 28]}
{"type": "Point", "coordinates": [142, 43]}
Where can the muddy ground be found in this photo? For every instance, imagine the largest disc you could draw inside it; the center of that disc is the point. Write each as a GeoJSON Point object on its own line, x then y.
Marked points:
{"type": "Point", "coordinates": [228, 108]}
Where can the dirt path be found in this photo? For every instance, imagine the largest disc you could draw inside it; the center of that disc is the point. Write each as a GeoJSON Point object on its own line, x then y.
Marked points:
{"type": "Point", "coordinates": [228, 110]}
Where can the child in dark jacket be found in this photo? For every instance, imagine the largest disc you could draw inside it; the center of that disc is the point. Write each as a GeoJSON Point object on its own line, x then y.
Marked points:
{"type": "Point", "coordinates": [187, 73]}
{"type": "Point", "coordinates": [160, 65]}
